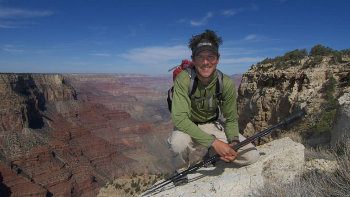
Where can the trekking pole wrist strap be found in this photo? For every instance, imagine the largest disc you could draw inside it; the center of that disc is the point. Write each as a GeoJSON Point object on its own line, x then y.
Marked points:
{"type": "Point", "coordinates": [235, 139]}
{"type": "Point", "coordinates": [214, 138]}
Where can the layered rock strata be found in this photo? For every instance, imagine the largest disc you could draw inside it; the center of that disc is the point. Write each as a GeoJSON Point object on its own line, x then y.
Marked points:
{"type": "Point", "coordinates": [53, 142]}
{"type": "Point", "coordinates": [267, 94]}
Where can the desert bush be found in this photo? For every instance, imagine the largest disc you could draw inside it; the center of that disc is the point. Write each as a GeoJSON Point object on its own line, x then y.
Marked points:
{"type": "Point", "coordinates": [325, 122]}
{"type": "Point", "coordinates": [289, 59]}
{"type": "Point", "coordinates": [330, 87]}
{"type": "Point", "coordinates": [337, 57]}
{"type": "Point", "coordinates": [127, 190]}
{"type": "Point", "coordinates": [296, 54]}
{"type": "Point", "coordinates": [313, 62]}
{"type": "Point", "coordinates": [346, 51]}
{"type": "Point", "coordinates": [320, 50]}
{"type": "Point", "coordinates": [133, 175]}
{"type": "Point", "coordinates": [133, 184]}
{"type": "Point", "coordinates": [325, 118]}
{"type": "Point", "coordinates": [118, 186]}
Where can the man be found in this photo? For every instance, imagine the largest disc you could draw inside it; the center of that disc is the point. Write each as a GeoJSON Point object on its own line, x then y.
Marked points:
{"type": "Point", "coordinates": [196, 122]}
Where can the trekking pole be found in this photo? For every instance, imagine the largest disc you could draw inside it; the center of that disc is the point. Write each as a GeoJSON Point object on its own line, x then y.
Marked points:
{"type": "Point", "coordinates": [216, 157]}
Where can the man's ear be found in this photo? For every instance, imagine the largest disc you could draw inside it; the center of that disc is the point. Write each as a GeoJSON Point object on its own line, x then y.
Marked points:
{"type": "Point", "coordinates": [218, 57]}
{"type": "Point", "coordinates": [192, 58]}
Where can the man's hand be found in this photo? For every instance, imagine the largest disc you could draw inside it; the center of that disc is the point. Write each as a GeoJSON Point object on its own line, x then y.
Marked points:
{"type": "Point", "coordinates": [225, 151]}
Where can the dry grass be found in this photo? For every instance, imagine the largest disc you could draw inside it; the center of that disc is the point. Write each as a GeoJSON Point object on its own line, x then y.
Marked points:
{"type": "Point", "coordinates": [317, 183]}
{"type": "Point", "coordinates": [293, 135]}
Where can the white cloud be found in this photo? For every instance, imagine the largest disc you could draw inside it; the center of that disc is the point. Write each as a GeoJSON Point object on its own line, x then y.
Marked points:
{"type": "Point", "coordinates": [11, 17]}
{"type": "Point", "coordinates": [234, 51]}
{"type": "Point", "coordinates": [229, 12]}
{"type": "Point", "coordinates": [156, 54]}
{"type": "Point", "coordinates": [12, 13]}
{"type": "Point", "coordinates": [6, 25]}
{"type": "Point", "coordinates": [11, 49]}
{"type": "Point", "coordinates": [241, 60]}
{"type": "Point", "coordinates": [202, 21]}
{"type": "Point", "coordinates": [101, 54]}
{"type": "Point", "coordinates": [250, 37]}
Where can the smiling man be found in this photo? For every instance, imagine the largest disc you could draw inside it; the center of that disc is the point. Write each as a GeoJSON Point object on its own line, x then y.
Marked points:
{"type": "Point", "coordinates": [205, 117]}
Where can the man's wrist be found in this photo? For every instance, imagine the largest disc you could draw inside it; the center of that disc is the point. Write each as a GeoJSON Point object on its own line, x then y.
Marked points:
{"type": "Point", "coordinates": [214, 138]}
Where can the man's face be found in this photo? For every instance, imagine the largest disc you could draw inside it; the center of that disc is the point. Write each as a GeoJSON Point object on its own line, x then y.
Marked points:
{"type": "Point", "coordinates": [205, 63]}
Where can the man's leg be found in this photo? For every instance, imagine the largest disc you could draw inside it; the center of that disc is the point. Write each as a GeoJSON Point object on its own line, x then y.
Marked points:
{"type": "Point", "coordinates": [180, 145]}
{"type": "Point", "coordinates": [185, 152]}
{"type": "Point", "coordinates": [246, 155]}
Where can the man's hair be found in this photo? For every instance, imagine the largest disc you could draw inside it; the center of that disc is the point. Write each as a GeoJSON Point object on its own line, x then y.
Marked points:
{"type": "Point", "coordinates": [208, 35]}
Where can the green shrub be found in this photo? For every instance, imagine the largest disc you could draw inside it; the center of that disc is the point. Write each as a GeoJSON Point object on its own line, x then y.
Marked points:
{"type": "Point", "coordinates": [320, 50]}
{"type": "Point", "coordinates": [117, 186]}
{"type": "Point", "coordinates": [328, 114]}
{"type": "Point", "coordinates": [313, 62]}
{"type": "Point", "coordinates": [330, 88]}
{"type": "Point", "coordinates": [326, 121]}
{"type": "Point", "coordinates": [346, 80]}
{"type": "Point", "coordinates": [133, 175]}
{"type": "Point", "coordinates": [346, 51]}
{"type": "Point", "coordinates": [133, 184]}
{"type": "Point", "coordinates": [295, 55]}
{"type": "Point", "coordinates": [337, 57]}
{"type": "Point", "coordinates": [293, 58]}
{"type": "Point", "coordinates": [267, 61]}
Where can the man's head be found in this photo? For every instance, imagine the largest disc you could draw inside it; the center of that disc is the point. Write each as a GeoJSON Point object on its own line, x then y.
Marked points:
{"type": "Point", "coordinates": [205, 41]}
{"type": "Point", "coordinates": [205, 54]}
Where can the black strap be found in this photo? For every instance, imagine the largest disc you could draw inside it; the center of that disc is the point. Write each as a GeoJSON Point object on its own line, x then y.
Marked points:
{"type": "Point", "coordinates": [218, 94]}
{"type": "Point", "coordinates": [193, 80]}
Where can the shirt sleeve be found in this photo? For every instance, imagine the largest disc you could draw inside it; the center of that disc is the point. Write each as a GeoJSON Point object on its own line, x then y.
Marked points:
{"type": "Point", "coordinates": [229, 108]}
{"type": "Point", "coordinates": [181, 111]}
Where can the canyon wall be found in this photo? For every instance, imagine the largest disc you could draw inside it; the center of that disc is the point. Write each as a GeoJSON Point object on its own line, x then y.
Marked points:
{"type": "Point", "coordinates": [267, 94]}
{"type": "Point", "coordinates": [70, 135]}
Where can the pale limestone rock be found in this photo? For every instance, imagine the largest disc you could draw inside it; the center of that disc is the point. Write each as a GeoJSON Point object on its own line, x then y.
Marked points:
{"type": "Point", "coordinates": [280, 160]}
{"type": "Point", "coordinates": [321, 165]}
{"type": "Point", "coordinates": [267, 94]}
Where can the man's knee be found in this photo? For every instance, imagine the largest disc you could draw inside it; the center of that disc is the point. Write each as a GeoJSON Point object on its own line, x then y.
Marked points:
{"type": "Point", "coordinates": [179, 141]}
{"type": "Point", "coordinates": [247, 156]}
{"type": "Point", "coordinates": [252, 155]}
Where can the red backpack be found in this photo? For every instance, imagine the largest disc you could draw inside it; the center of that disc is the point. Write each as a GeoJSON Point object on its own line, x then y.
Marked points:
{"type": "Point", "coordinates": [189, 66]}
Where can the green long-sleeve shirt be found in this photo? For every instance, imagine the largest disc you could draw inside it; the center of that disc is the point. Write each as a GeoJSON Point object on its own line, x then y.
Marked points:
{"type": "Point", "coordinates": [187, 112]}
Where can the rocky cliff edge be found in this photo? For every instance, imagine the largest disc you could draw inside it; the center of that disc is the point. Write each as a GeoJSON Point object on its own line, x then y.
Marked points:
{"type": "Point", "coordinates": [280, 160]}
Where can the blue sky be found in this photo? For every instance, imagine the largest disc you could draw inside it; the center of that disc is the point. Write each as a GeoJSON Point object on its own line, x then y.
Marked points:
{"type": "Point", "coordinates": [150, 36]}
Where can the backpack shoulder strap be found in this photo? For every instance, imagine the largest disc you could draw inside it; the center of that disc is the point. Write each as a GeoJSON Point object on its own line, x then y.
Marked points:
{"type": "Point", "coordinates": [193, 80]}
{"type": "Point", "coordinates": [219, 85]}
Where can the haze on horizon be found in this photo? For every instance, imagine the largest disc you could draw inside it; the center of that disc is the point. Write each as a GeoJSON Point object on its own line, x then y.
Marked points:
{"type": "Point", "coordinates": [149, 37]}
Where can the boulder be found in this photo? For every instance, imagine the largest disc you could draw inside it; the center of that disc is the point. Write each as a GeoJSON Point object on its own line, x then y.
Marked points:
{"type": "Point", "coordinates": [281, 160]}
